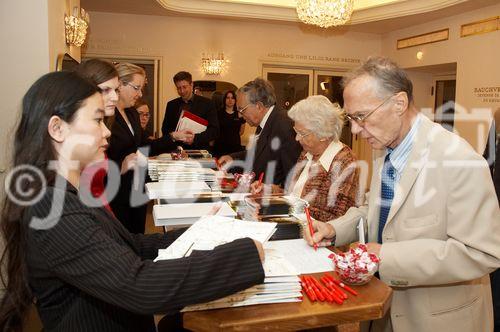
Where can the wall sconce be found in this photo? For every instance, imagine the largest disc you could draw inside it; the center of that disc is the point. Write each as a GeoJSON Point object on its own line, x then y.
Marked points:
{"type": "Point", "coordinates": [420, 55]}
{"type": "Point", "coordinates": [75, 27]}
{"type": "Point", "coordinates": [212, 65]}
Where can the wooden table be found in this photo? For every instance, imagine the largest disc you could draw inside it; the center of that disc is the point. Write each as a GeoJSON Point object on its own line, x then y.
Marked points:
{"type": "Point", "coordinates": [372, 302]}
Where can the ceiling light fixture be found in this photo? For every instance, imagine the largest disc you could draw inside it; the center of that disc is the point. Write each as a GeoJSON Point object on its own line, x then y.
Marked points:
{"type": "Point", "coordinates": [325, 13]}
{"type": "Point", "coordinates": [211, 64]}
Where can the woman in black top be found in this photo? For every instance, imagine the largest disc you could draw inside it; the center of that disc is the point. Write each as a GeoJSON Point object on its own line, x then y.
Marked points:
{"type": "Point", "coordinates": [127, 136]}
{"type": "Point", "coordinates": [231, 127]}
{"type": "Point", "coordinates": [86, 271]}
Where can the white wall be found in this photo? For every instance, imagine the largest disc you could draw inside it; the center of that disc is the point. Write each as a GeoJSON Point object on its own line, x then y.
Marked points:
{"type": "Point", "coordinates": [31, 35]}
{"type": "Point", "coordinates": [477, 66]}
{"type": "Point", "coordinates": [180, 42]}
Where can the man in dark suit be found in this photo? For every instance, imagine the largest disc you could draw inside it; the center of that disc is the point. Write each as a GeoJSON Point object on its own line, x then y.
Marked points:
{"type": "Point", "coordinates": [274, 149]}
{"type": "Point", "coordinates": [199, 106]}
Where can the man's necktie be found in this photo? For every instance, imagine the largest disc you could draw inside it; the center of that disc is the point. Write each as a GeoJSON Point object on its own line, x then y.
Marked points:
{"type": "Point", "coordinates": [258, 130]}
{"type": "Point", "coordinates": [387, 194]}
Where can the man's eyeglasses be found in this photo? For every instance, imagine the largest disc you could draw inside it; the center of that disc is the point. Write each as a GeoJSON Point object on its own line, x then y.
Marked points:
{"type": "Point", "coordinates": [241, 110]}
{"type": "Point", "coordinates": [360, 118]}
{"type": "Point", "coordinates": [135, 87]}
{"type": "Point", "coordinates": [302, 135]}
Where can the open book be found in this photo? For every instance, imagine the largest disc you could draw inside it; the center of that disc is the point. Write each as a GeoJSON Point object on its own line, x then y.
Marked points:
{"type": "Point", "coordinates": [211, 231]}
{"type": "Point", "coordinates": [191, 122]}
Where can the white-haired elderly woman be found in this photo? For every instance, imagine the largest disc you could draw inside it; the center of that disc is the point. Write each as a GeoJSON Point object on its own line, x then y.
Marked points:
{"type": "Point", "coordinates": [326, 174]}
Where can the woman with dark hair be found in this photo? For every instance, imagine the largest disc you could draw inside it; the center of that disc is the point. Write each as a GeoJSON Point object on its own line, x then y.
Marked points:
{"type": "Point", "coordinates": [85, 270]}
{"type": "Point", "coordinates": [231, 125]}
{"type": "Point", "coordinates": [104, 75]}
{"type": "Point", "coordinates": [142, 108]}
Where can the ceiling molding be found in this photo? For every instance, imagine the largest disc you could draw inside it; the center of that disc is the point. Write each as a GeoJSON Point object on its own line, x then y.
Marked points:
{"type": "Point", "coordinates": [395, 9]}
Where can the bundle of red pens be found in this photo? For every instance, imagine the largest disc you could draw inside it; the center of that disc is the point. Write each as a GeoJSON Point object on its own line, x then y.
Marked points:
{"type": "Point", "coordinates": [330, 289]}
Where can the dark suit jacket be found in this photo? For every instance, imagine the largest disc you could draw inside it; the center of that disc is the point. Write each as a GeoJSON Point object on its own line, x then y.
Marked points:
{"type": "Point", "coordinates": [201, 107]}
{"type": "Point", "coordinates": [121, 144]}
{"type": "Point", "coordinates": [89, 274]}
{"type": "Point", "coordinates": [277, 144]}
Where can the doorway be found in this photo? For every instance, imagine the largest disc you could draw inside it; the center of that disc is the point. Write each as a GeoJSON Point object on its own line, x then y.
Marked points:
{"type": "Point", "coordinates": [294, 84]}
{"type": "Point", "coordinates": [444, 102]}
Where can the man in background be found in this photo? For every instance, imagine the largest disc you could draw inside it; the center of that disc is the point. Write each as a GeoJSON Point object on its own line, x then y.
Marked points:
{"type": "Point", "coordinates": [274, 150]}
{"type": "Point", "coordinates": [200, 107]}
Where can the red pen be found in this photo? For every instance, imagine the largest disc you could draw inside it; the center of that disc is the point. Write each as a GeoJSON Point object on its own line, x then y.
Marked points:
{"type": "Point", "coordinates": [308, 290]}
{"type": "Point", "coordinates": [309, 224]}
{"type": "Point", "coordinates": [318, 293]}
{"type": "Point", "coordinates": [337, 298]}
{"type": "Point", "coordinates": [217, 163]}
{"type": "Point", "coordinates": [261, 177]}
{"type": "Point", "coordinates": [336, 287]}
{"type": "Point", "coordinates": [344, 286]}
{"type": "Point", "coordinates": [323, 290]}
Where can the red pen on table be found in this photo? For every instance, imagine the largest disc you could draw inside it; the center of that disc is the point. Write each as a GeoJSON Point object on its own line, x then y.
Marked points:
{"type": "Point", "coordinates": [261, 177]}
{"type": "Point", "coordinates": [322, 289]}
{"type": "Point", "coordinates": [308, 290]}
{"type": "Point", "coordinates": [319, 294]}
{"type": "Point", "coordinates": [309, 224]}
{"type": "Point", "coordinates": [336, 297]}
{"type": "Point", "coordinates": [337, 288]}
{"type": "Point", "coordinates": [344, 286]}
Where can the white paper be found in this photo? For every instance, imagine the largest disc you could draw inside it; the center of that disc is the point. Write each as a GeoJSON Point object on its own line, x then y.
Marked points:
{"type": "Point", "coordinates": [175, 189]}
{"type": "Point", "coordinates": [211, 231]}
{"type": "Point", "coordinates": [186, 123]}
{"type": "Point", "coordinates": [302, 256]}
{"type": "Point", "coordinates": [275, 264]}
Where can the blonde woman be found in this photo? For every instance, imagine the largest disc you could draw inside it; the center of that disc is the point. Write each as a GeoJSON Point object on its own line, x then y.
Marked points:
{"type": "Point", "coordinates": [127, 136]}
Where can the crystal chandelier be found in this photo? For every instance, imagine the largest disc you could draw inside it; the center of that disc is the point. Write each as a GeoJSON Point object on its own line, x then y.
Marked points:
{"type": "Point", "coordinates": [212, 65]}
{"type": "Point", "coordinates": [324, 13]}
{"type": "Point", "coordinates": [75, 27]}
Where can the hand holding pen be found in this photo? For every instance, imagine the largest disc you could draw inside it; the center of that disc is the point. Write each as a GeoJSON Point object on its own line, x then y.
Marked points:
{"type": "Point", "coordinates": [319, 233]}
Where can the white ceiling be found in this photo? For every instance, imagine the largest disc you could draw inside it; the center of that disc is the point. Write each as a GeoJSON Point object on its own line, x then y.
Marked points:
{"type": "Point", "coordinates": [373, 16]}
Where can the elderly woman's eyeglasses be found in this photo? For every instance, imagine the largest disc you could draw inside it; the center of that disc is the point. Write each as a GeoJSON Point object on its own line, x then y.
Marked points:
{"type": "Point", "coordinates": [302, 135]}
{"type": "Point", "coordinates": [135, 87]}
{"type": "Point", "coordinates": [360, 118]}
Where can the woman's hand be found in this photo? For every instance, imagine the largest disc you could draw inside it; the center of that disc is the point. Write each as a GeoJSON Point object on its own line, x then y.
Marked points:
{"type": "Point", "coordinates": [323, 234]}
{"type": "Point", "coordinates": [255, 188]}
{"type": "Point", "coordinates": [225, 161]}
{"type": "Point", "coordinates": [129, 163]}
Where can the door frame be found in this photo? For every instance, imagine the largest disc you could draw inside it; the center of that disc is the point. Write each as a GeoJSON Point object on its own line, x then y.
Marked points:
{"type": "Point", "coordinates": [290, 70]}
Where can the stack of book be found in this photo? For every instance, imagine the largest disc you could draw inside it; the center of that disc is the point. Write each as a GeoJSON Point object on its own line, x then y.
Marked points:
{"type": "Point", "coordinates": [281, 283]}
{"type": "Point", "coordinates": [188, 213]}
{"type": "Point", "coordinates": [176, 189]}
{"type": "Point", "coordinates": [179, 170]}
